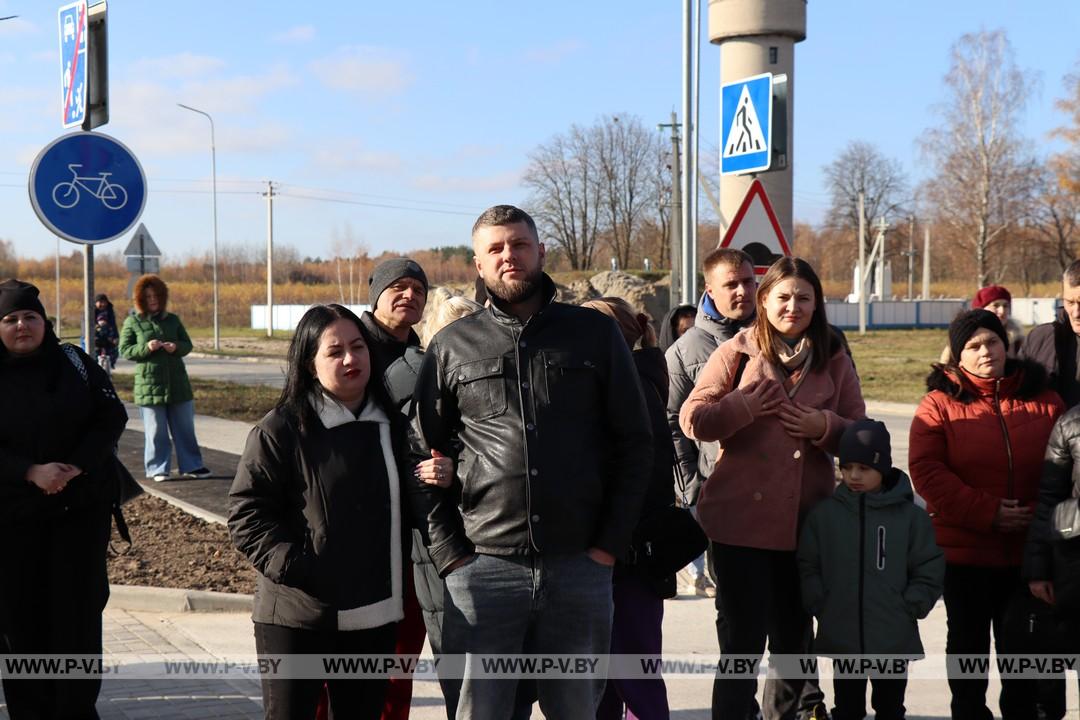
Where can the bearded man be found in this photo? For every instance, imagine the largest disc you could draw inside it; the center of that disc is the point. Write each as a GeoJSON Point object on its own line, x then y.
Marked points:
{"type": "Point", "coordinates": [540, 406]}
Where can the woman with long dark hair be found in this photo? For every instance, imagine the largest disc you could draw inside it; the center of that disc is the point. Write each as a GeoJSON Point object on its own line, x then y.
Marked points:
{"type": "Point", "coordinates": [57, 482]}
{"type": "Point", "coordinates": [316, 507]}
{"type": "Point", "coordinates": [777, 397]}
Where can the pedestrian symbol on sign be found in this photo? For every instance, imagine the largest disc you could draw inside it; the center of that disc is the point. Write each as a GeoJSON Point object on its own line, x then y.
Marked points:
{"type": "Point", "coordinates": [746, 125]}
{"type": "Point", "coordinates": [745, 135]}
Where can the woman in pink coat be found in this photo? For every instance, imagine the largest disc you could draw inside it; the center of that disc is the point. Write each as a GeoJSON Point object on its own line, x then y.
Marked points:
{"type": "Point", "coordinates": [777, 397]}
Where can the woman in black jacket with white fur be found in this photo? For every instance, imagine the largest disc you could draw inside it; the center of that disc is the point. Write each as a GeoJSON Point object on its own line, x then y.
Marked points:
{"type": "Point", "coordinates": [316, 507]}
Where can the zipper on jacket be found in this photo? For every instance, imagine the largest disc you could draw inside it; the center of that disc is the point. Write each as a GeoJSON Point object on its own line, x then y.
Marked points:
{"type": "Point", "coordinates": [516, 335]}
{"type": "Point", "coordinates": [862, 568]}
{"type": "Point", "coordinates": [1010, 489]}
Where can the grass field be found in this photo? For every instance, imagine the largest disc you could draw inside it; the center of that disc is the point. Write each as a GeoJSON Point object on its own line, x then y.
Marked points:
{"type": "Point", "coordinates": [893, 364]}
{"type": "Point", "coordinates": [231, 401]}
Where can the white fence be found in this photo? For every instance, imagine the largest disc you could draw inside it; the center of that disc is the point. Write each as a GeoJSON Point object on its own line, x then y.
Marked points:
{"type": "Point", "coordinates": [884, 315]}
{"type": "Point", "coordinates": [287, 317]}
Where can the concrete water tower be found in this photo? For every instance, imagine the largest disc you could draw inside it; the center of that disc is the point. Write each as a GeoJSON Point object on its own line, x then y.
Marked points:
{"type": "Point", "coordinates": [759, 36]}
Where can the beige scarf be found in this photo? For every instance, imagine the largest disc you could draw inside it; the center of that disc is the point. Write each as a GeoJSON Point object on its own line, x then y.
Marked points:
{"type": "Point", "coordinates": [794, 361]}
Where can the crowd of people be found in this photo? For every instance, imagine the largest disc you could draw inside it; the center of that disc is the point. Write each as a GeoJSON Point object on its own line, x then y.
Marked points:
{"type": "Point", "coordinates": [488, 488]}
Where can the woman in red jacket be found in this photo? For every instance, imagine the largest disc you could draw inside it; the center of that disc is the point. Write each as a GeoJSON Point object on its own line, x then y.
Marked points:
{"type": "Point", "coordinates": [976, 454]}
{"type": "Point", "coordinates": [777, 397]}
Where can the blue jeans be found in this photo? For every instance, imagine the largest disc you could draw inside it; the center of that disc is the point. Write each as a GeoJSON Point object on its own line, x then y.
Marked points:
{"type": "Point", "coordinates": [536, 604]}
{"type": "Point", "coordinates": [158, 422]}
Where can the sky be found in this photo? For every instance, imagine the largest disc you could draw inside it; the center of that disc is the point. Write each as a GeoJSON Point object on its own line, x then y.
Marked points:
{"type": "Point", "coordinates": [396, 124]}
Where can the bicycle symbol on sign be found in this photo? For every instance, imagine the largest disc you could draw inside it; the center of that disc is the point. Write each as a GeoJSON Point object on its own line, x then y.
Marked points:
{"type": "Point", "coordinates": [111, 195]}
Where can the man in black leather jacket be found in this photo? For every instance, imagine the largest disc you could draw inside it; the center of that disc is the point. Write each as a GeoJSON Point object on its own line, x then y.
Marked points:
{"type": "Point", "coordinates": [540, 406]}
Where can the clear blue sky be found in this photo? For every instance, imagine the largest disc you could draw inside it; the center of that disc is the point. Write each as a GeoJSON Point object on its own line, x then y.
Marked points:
{"type": "Point", "coordinates": [434, 106]}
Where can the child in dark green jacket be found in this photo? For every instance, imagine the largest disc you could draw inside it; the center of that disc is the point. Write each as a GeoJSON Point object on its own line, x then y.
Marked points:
{"type": "Point", "coordinates": [870, 569]}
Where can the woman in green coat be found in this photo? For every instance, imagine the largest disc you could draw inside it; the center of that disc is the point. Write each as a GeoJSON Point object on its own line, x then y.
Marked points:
{"type": "Point", "coordinates": [156, 340]}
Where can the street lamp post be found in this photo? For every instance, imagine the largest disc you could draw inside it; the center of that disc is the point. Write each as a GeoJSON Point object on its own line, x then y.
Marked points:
{"type": "Point", "coordinates": [213, 174]}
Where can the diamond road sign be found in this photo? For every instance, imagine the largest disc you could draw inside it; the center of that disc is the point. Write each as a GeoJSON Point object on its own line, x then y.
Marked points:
{"type": "Point", "coordinates": [72, 20]}
{"type": "Point", "coordinates": [746, 125]}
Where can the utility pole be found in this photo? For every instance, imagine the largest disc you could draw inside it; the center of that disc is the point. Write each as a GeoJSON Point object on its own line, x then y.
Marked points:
{"type": "Point", "coordinates": [688, 139]}
{"type": "Point", "coordinates": [911, 260]}
{"type": "Point", "coordinates": [926, 264]}
{"type": "Point", "coordinates": [269, 259]}
{"type": "Point", "coordinates": [693, 121]}
{"type": "Point", "coordinates": [675, 224]}
{"type": "Point", "coordinates": [862, 268]}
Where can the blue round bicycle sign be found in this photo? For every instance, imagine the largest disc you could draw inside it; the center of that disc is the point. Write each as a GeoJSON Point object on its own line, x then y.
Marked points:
{"type": "Point", "coordinates": [87, 187]}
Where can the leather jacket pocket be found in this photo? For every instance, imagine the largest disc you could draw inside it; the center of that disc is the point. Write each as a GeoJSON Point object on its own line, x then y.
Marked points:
{"type": "Point", "coordinates": [481, 388]}
{"type": "Point", "coordinates": [571, 378]}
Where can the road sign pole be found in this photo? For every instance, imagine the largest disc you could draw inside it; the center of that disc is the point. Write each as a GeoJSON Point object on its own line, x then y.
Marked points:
{"type": "Point", "coordinates": [88, 307]}
{"type": "Point", "coordinates": [58, 306]}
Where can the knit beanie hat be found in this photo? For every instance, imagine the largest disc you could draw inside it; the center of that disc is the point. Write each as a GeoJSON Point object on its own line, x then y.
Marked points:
{"type": "Point", "coordinates": [18, 295]}
{"type": "Point", "coordinates": [989, 294]}
{"type": "Point", "coordinates": [967, 324]}
{"type": "Point", "coordinates": [867, 442]}
{"type": "Point", "coordinates": [388, 272]}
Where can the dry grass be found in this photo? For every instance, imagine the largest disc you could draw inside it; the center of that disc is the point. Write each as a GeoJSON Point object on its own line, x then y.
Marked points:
{"type": "Point", "coordinates": [232, 401]}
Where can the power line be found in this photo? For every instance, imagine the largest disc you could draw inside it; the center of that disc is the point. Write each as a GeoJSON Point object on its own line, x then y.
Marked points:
{"type": "Point", "coordinates": [378, 205]}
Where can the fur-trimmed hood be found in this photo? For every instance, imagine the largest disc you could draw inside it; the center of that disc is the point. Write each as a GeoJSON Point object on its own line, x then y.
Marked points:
{"type": "Point", "coordinates": [154, 283]}
{"type": "Point", "coordinates": [1023, 378]}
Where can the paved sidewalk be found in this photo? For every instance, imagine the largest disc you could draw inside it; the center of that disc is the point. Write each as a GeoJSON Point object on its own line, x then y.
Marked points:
{"type": "Point", "coordinates": [688, 630]}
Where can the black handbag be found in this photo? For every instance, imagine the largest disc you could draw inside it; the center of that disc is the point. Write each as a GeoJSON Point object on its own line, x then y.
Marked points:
{"type": "Point", "coordinates": [666, 540]}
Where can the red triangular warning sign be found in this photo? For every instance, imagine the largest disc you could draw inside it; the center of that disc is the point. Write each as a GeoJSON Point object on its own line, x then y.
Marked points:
{"type": "Point", "coordinates": [756, 231]}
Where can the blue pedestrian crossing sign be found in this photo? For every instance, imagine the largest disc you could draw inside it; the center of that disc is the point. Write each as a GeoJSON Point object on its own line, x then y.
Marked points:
{"type": "Point", "coordinates": [73, 24]}
{"type": "Point", "coordinates": [746, 125]}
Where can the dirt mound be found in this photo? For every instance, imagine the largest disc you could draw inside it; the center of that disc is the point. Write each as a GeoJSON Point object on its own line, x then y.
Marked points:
{"type": "Point", "coordinates": [175, 550]}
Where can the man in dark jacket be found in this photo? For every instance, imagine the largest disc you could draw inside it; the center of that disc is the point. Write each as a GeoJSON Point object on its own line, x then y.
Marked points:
{"type": "Point", "coordinates": [1053, 345]}
{"type": "Point", "coordinates": [397, 293]}
{"type": "Point", "coordinates": [540, 405]}
{"type": "Point", "coordinates": [727, 306]}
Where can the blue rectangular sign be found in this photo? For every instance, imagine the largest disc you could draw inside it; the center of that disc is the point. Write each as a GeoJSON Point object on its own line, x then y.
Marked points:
{"type": "Point", "coordinates": [72, 20]}
{"type": "Point", "coordinates": [746, 125]}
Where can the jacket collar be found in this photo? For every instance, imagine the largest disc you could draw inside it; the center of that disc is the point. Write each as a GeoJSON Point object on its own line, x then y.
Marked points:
{"type": "Point", "coordinates": [382, 335]}
{"type": "Point", "coordinates": [547, 292]}
{"type": "Point", "coordinates": [333, 414]}
{"type": "Point", "coordinates": [709, 319]}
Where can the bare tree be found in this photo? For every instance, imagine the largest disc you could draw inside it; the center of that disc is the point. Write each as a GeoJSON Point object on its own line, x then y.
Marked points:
{"type": "Point", "coordinates": [9, 261]}
{"type": "Point", "coordinates": [565, 195]}
{"type": "Point", "coordinates": [861, 168]}
{"type": "Point", "coordinates": [982, 176]}
{"type": "Point", "coordinates": [625, 156]}
{"type": "Point", "coordinates": [1056, 210]}
{"type": "Point", "coordinates": [598, 183]}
